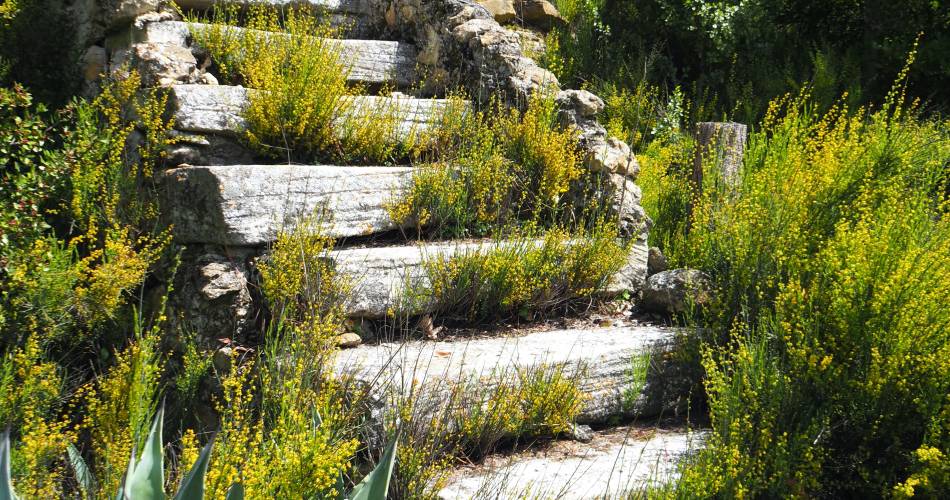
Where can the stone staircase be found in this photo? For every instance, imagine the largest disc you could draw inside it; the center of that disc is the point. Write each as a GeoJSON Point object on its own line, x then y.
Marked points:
{"type": "Point", "coordinates": [227, 207]}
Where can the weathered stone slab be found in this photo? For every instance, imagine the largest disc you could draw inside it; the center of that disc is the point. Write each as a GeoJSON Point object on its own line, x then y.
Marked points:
{"type": "Point", "coordinates": [382, 276]}
{"type": "Point", "coordinates": [247, 205]}
{"type": "Point", "coordinates": [599, 361]}
{"type": "Point", "coordinates": [338, 6]}
{"type": "Point", "coordinates": [217, 109]}
{"type": "Point", "coordinates": [373, 62]}
{"type": "Point", "coordinates": [617, 463]}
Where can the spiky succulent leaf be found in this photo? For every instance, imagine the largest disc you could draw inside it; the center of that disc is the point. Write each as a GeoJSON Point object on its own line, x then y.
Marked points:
{"type": "Point", "coordinates": [192, 487]}
{"type": "Point", "coordinates": [376, 484]}
{"type": "Point", "coordinates": [147, 480]}
{"type": "Point", "coordinates": [6, 482]}
{"type": "Point", "coordinates": [84, 476]}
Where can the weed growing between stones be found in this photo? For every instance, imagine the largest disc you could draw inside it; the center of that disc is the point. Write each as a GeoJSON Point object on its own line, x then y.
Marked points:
{"type": "Point", "coordinates": [522, 276]}
{"type": "Point", "coordinates": [446, 425]}
{"type": "Point", "coordinates": [492, 170]}
{"type": "Point", "coordinates": [301, 108]}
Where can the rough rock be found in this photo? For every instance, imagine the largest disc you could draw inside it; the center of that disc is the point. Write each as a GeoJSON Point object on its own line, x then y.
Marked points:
{"type": "Point", "coordinates": [677, 291]}
{"type": "Point", "coordinates": [502, 10]}
{"type": "Point", "coordinates": [584, 103]}
{"type": "Point", "coordinates": [656, 262]}
{"type": "Point", "coordinates": [624, 196]}
{"type": "Point", "coordinates": [212, 295]}
{"type": "Point", "coordinates": [118, 13]}
{"type": "Point", "coordinates": [617, 463]}
{"type": "Point", "coordinates": [540, 13]}
{"type": "Point", "coordinates": [247, 205]}
{"type": "Point", "coordinates": [348, 340]}
{"type": "Point", "coordinates": [597, 360]}
{"type": "Point", "coordinates": [163, 64]}
{"type": "Point", "coordinates": [612, 156]}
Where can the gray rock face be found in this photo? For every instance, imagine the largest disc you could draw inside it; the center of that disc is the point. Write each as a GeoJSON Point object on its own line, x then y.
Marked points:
{"type": "Point", "coordinates": [163, 64]}
{"type": "Point", "coordinates": [624, 197]}
{"type": "Point", "coordinates": [585, 104]}
{"type": "Point", "coordinates": [382, 277]}
{"type": "Point", "coordinates": [373, 62]}
{"type": "Point", "coordinates": [217, 109]}
{"type": "Point", "coordinates": [247, 205]}
{"type": "Point", "coordinates": [212, 296]}
{"type": "Point", "coordinates": [599, 361]}
{"type": "Point", "coordinates": [677, 291]}
{"type": "Point", "coordinates": [617, 463]}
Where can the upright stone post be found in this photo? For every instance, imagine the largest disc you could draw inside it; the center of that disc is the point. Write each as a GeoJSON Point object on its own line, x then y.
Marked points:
{"type": "Point", "coordinates": [719, 145]}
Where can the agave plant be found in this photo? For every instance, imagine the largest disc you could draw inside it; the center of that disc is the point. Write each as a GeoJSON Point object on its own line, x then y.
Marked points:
{"type": "Point", "coordinates": [145, 477]}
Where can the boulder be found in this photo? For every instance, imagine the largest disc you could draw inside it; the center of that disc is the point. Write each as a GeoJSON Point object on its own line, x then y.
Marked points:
{"type": "Point", "coordinates": [677, 291]}
{"type": "Point", "coordinates": [502, 10]}
{"type": "Point", "coordinates": [540, 13]}
{"type": "Point", "coordinates": [348, 340]}
{"type": "Point", "coordinates": [656, 261]}
{"type": "Point", "coordinates": [163, 65]}
{"type": "Point", "coordinates": [624, 197]}
{"type": "Point", "coordinates": [582, 102]}
{"type": "Point", "coordinates": [612, 156]}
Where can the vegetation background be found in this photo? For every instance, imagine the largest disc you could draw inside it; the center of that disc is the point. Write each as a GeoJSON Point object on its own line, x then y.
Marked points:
{"type": "Point", "coordinates": [827, 366]}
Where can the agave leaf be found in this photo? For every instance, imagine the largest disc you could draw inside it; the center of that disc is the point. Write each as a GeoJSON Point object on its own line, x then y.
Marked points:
{"type": "Point", "coordinates": [147, 480]}
{"type": "Point", "coordinates": [192, 487]}
{"type": "Point", "coordinates": [123, 486]}
{"type": "Point", "coordinates": [375, 485]}
{"type": "Point", "coordinates": [87, 482]}
{"type": "Point", "coordinates": [235, 492]}
{"type": "Point", "coordinates": [6, 483]}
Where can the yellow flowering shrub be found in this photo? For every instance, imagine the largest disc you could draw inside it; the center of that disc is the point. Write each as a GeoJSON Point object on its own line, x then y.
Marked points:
{"type": "Point", "coordinates": [833, 261]}
{"type": "Point", "coordinates": [120, 405]}
{"type": "Point", "coordinates": [490, 169]}
{"type": "Point", "coordinates": [302, 108]}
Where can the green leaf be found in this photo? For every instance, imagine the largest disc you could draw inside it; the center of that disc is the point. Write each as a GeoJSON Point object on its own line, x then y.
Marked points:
{"type": "Point", "coordinates": [87, 482]}
{"type": "Point", "coordinates": [235, 492]}
{"type": "Point", "coordinates": [147, 481]}
{"type": "Point", "coordinates": [6, 484]}
{"type": "Point", "coordinates": [192, 487]}
{"type": "Point", "coordinates": [376, 484]}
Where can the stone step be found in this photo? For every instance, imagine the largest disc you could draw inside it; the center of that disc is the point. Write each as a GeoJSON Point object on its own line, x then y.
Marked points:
{"type": "Point", "coordinates": [247, 205]}
{"type": "Point", "coordinates": [356, 17]}
{"type": "Point", "coordinates": [599, 361]}
{"type": "Point", "coordinates": [373, 62]}
{"type": "Point", "coordinates": [618, 463]}
{"type": "Point", "coordinates": [336, 6]}
{"type": "Point", "coordinates": [217, 109]}
{"type": "Point", "coordinates": [381, 276]}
